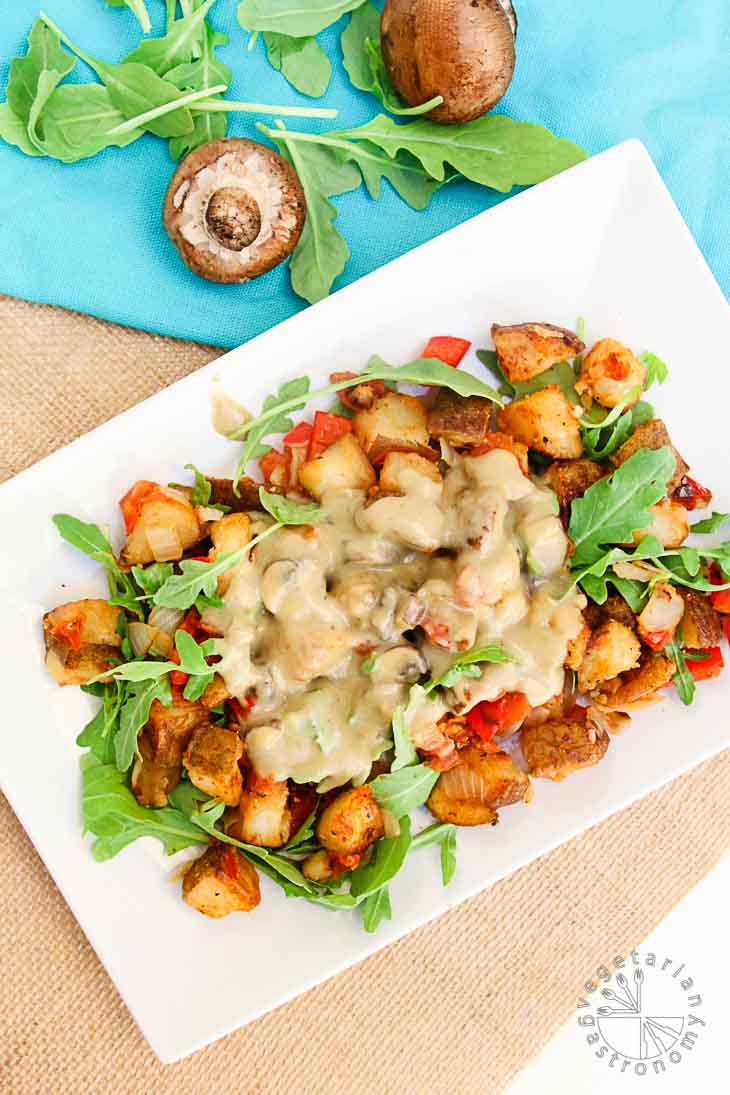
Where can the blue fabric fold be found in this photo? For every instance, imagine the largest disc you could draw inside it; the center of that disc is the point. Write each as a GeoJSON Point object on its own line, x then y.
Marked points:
{"type": "Point", "coordinates": [88, 236]}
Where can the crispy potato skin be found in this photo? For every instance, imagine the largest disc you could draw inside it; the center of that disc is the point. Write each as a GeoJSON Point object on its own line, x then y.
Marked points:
{"type": "Point", "coordinates": [570, 479]}
{"type": "Point", "coordinates": [652, 435]}
{"type": "Point", "coordinates": [555, 748]}
{"type": "Point", "coordinates": [351, 823]}
{"type": "Point", "coordinates": [211, 760]}
{"type": "Point", "coordinates": [700, 625]}
{"type": "Point", "coordinates": [394, 417]}
{"type": "Point", "coordinates": [612, 649]}
{"type": "Point", "coordinates": [399, 467]}
{"type": "Point", "coordinates": [609, 373]}
{"type": "Point", "coordinates": [525, 350]}
{"type": "Point", "coordinates": [479, 785]}
{"type": "Point", "coordinates": [652, 673]}
{"type": "Point", "coordinates": [79, 666]}
{"type": "Point", "coordinates": [669, 524]}
{"type": "Point", "coordinates": [169, 729]}
{"type": "Point", "coordinates": [151, 782]}
{"type": "Point", "coordinates": [168, 513]}
{"type": "Point", "coordinates": [544, 421]}
{"type": "Point", "coordinates": [216, 692]}
{"type": "Point", "coordinates": [92, 629]}
{"type": "Point", "coordinates": [343, 466]}
{"type": "Point", "coordinates": [220, 882]}
{"type": "Point", "coordinates": [263, 817]}
{"type": "Point", "coordinates": [459, 420]}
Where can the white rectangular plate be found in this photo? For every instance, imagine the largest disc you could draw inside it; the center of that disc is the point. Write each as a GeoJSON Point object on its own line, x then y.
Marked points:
{"type": "Point", "coordinates": [603, 240]}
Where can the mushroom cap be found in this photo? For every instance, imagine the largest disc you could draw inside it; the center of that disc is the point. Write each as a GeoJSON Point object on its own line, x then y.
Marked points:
{"type": "Point", "coordinates": [234, 209]}
{"type": "Point", "coordinates": [463, 50]}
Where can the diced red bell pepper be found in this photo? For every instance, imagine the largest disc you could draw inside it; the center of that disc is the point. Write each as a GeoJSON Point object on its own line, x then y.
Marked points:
{"type": "Point", "coordinates": [447, 349]}
{"type": "Point", "coordinates": [720, 600]}
{"type": "Point", "coordinates": [69, 632]}
{"type": "Point", "coordinates": [327, 429]}
{"type": "Point", "coordinates": [492, 716]}
{"type": "Point", "coordinates": [692, 494]}
{"type": "Point", "coordinates": [275, 468]}
{"type": "Point", "coordinates": [709, 667]}
{"type": "Point", "coordinates": [656, 640]}
{"type": "Point", "coordinates": [301, 434]}
{"type": "Point", "coordinates": [135, 498]}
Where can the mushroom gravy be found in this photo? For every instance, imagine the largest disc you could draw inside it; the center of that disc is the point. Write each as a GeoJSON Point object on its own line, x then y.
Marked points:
{"type": "Point", "coordinates": [319, 625]}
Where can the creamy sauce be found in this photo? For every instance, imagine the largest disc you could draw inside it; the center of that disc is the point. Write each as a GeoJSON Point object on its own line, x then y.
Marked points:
{"type": "Point", "coordinates": [318, 626]}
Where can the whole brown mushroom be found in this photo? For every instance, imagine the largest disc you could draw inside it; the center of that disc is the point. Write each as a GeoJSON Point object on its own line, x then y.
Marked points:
{"type": "Point", "coordinates": [234, 209]}
{"type": "Point", "coordinates": [463, 50]}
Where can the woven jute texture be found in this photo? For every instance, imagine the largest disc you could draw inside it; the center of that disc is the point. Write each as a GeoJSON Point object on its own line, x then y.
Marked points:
{"type": "Point", "coordinates": [458, 1007]}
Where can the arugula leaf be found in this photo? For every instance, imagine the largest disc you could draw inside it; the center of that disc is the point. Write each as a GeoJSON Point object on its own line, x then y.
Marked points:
{"type": "Point", "coordinates": [386, 860]}
{"type": "Point", "coordinates": [301, 61]}
{"type": "Point", "coordinates": [303, 833]}
{"type": "Point", "coordinates": [112, 814]}
{"type": "Point", "coordinates": [286, 511]}
{"type": "Point", "coordinates": [432, 834]}
{"type": "Point", "coordinates": [192, 661]}
{"type": "Point", "coordinates": [368, 663]}
{"type": "Point", "coordinates": [602, 438]}
{"type": "Point", "coordinates": [177, 46]}
{"type": "Point", "coordinates": [362, 57]}
{"type": "Point", "coordinates": [711, 524]}
{"type": "Point", "coordinates": [448, 857]}
{"type": "Point", "coordinates": [89, 539]}
{"type": "Point", "coordinates": [299, 20]}
{"type": "Point", "coordinates": [493, 150]}
{"type": "Point", "coordinates": [403, 790]}
{"type": "Point", "coordinates": [561, 374]}
{"type": "Point", "coordinates": [138, 9]}
{"type": "Point", "coordinates": [466, 665]}
{"type": "Point", "coordinates": [202, 489]}
{"type": "Point", "coordinates": [405, 750]}
{"type": "Point", "coordinates": [657, 370]}
{"type": "Point", "coordinates": [615, 507]}
{"type": "Point", "coordinates": [150, 578]}
{"type": "Point", "coordinates": [375, 909]}
{"type": "Point", "coordinates": [134, 714]}
{"type": "Point", "coordinates": [683, 679]}
{"type": "Point", "coordinates": [197, 75]}
{"type": "Point", "coordinates": [98, 734]}
{"type": "Point", "coordinates": [80, 120]}
{"type": "Point", "coordinates": [293, 394]}
{"type": "Point", "coordinates": [14, 131]}
{"type": "Point", "coordinates": [44, 54]}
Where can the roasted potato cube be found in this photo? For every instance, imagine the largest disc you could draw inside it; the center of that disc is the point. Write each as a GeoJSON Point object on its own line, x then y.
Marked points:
{"type": "Point", "coordinates": [700, 626]}
{"type": "Point", "coordinates": [555, 748]}
{"type": "Point", "coordinates": [152, 783]}
{"type": "Point", "coordinates": [545, 422]}
{"type": "Point", "coordinates": [318, 866]}
{"type": "Point", "coordinates": [653, 672]}
{"type": "Point", "coordinates": [405, 472]}
{"type": "Point", "coordinates": [166, 526]}
{"type": "Point", "coordinates": [220, 882]}
{"type": "Point", "coordinates": [262, 817]}
{"type": "Point", "coordinates": [610, 371]}
{"type": "Point", "coordinates": [342, 466]}
{"type": "Point", "coordinates": [570, 479]}
{"type": "Point", "coordinates": [612, 649]}
{"type": "Point", "coordinates": [652, 435]}
{"type": "Point", "coordinates": [351, 823]}
{"type": "Point", "coordinates": [394, 417]}
{"type": "Point", "coordinates": [80, 623]}
{"type": "Point", "coordinates": [479, 785]}
{"type": "Point", "coordinates": [577, 648]}
{"type": "Point", "coordinates": [68, 666]}
{"type": "Point", "coordinates": [231, 533]}
{"type": "Point", "coordinates": [216, 693]}
{"type": "Point", "coordinates": [211, 760]}
{"type": "Point", "coordinates": [170, 729]}
{"type": "Point", "coordinates": [669, 524]}
{"type": "Point", "coordinates": [525, 350]}
{"type": "Point", "coordinates": [223, 494]}
{"type": "Point", "coordinates": [460, 420]}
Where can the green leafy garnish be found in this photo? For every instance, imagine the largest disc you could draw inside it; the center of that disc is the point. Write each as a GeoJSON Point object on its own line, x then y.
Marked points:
{"type": "Point", "coordinates": [192, 661]}
{"type": "Point", "coordinates": [448, 857]}
{"type": "Point", "coordinates": [657, 370]}
{"type": "Point", "coordinates": [202, 489]}
{"type": "Point", "coordinates": [375, 909]}
{"type": "Point", "coordinates": [299, 20]}
{"type": "Point", "coordinates": [711, 524]}
{"type": "Point", "coordinates": [201, 74]}
{"type": "Point", "coordinates": [91, 540]}
{"type": "Point", "coordinates": [561, 374]}
{"type": "Point", "coordinates": [292, 395]}
{"type": "Point", "coordinates": [467, 665]}
{"type": "Point", "coordinates": [386, 860]}
{"type": "Point", "coordinates": [138, 9]}
{"type": "Point", "coordinates": [301, 61]}
{"type": "Point", "coordinates": [134, 713]}
{"type": "Point", "coordinates": [303, 833]}
{"type": "Point", "coordinates": [150, 578]}
{"type": "Point", "coordinates": [601, 438]}
{"type": "Point", "coordinates": [683, 679]}
{"type": "Point", "coordinates": [286, 511]}
{"type": "Point", "coordinates": [402, 791]}
{"type": "Point", "coordinates": [99, 733]}
{"type": "Point", "coordinates": [405, 751]}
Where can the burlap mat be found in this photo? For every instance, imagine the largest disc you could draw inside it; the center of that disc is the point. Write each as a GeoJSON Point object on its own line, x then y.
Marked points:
{"type": "Point", "coordinates": [458, 1007]}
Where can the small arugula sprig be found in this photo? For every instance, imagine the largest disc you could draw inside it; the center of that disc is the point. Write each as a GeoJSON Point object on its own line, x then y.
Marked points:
{"type": "Point", "coordinates": [467, 665]}
{"type": "Point", "coordinates": [199, 579]}
{"type": "Point", "coordinates": [89, 539]}
{"type": "Point", "coordinates": [713, 523]}
{"type": "Point", "coordinates": [295, 394]}
{"type": "Point", "coordinates": [683, 679]}
{"type": "Point", "coordinates": [603, 432]}
{"type": "Point", "coordinates": [138, 9]}
{"type": "Point", "coordinates": [561, 374]}
{"type": "Point", "coordinates": [657, 370]}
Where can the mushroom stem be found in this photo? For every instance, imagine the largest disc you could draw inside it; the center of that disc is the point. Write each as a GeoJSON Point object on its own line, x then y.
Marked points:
{"type": "Point", "coordinates": [166, 108]}
{"type": "Point", "coordinates": [224, 105]}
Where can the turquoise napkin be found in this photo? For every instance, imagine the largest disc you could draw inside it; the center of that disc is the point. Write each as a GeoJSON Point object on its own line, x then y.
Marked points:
{"type": "Point", "coordinates": [88, 236]}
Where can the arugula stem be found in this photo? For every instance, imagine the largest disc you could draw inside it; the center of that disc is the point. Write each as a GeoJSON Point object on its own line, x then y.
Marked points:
{"type": "Point", "coordinates": [170, 10]}
{"type": "Point", "coordinates": [295, 402]}
{"type": "Point", "coordinates": [253, 38]}
{"type": "Point", "coordinates": [225, 105]}
{"type": "Point", "coordinates": [308, 138]}
{"type": "Point", "coordinates": [67, 42]}
{"type": "Point", "coordinates": [165, 108]}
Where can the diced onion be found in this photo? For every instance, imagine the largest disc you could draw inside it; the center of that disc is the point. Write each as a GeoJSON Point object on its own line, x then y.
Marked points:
{"type": "Point", "coordinates": [166, 619]}
{"type": "Point", "coordinates": [207, 513]}
{"type": "Point", "coordinates": [639, 572]}
{"type": "Point", "coordinates": [391, 825]}
{"type": "Point", "coordinates": [178, 495]}
{"type": "Point", "coordinates": [164, 543]}
{"type": "Point", "coordinates": [161, 644]}
{"type": "Point", "coordinates": [663, 610]}
{"type": "Point", "coordinates": [141, 637]}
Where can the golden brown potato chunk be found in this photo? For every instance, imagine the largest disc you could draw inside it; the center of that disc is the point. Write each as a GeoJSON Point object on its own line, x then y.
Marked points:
{"type": "Point", "coordinates": [211, 760]}
{"type": "Point", "coordinates": [342, 466]}
{"type": "Point", "coordinates": [220, 882]}
{"type": "Point", "coordinates": [555, 748]}
{"type": "Point", "coordinates": [653, 672]}
{"type": "Point", "coordinates": [68, 666]}
{"type": "Point", "coordinates": [216, 693]}
{"type": "Point", "coordinates": [700, 625]}
{"type": "Point", "coordinates": [577, 648]}
{"type": "Point", "coordinates": [318, 866]}
{"type": "Point", "coordinates": [669, 523]}
{"type": "Point", "coordinates": [394, 417]}
{"type": "Point", "coordinates": [81, 640]}
{"type": "Point", "coordinates": [525, 350]}
{"type": "Point", "coordinates": [231, 533]}
{"type": "Point", "coordinates": [152, 783]}
{"type": "Point", "coordinates": [612, 649]}
{"type": "Point", "coordinates": [479, 785]}
{"type": "Point", "coordinates": [169, 729]}
{"type": "Point", "coordinates": [610, 372]}
{"type": "Point", "coordinates": [460, 420]}
{"type": "Point", "coordinates": [545, 422]}
{"type": "Point", "coordinates": [166, 526]}
{"type": "Point", "coordinates": [570, 479]}
{"type": "Point", "coordinates": [262, 817]}
{"type": "Point", "coordinates": [402, 471]}
{"type": "Point", "coordinates": [351, 823]}
{"type": "Point", "coordinates": [652, 435]}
